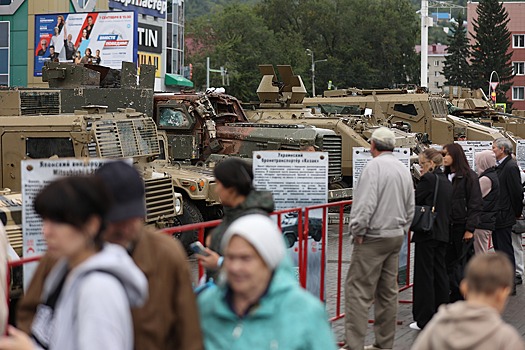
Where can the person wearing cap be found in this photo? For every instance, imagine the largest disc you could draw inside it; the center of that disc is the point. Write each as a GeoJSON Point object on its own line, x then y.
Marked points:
{"type": "Point", "coordinates": [260, 305]}
{"type": "Point", "coordinates": [382, 211]}
{"type": "Point", "coordinates": [169, 318]}
{"type": "Point", "coordinates": [86, 298]}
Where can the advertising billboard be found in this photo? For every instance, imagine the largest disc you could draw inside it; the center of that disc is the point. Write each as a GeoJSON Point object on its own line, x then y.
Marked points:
{"type": "Point", "coordinates": [105, 38]}
{"type": "Point", "coordinates": [155, 8]}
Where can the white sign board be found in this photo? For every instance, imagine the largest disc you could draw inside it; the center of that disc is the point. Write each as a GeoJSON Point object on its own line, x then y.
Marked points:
{"type": "Point", "coordinates": [472, 147]}
{"type": "Point", "coordinates": [36, 174]}
{"type": "Point", "coordinates": [361, 156]}
{"type": "Point", "coordinates": [520, 153]}
{"type": "Point", "coordinates": [297, 179]}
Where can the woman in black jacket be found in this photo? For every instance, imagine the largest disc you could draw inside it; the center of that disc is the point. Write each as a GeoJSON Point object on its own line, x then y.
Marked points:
{"type": "Point", "coordinates": [467, 206]}
{"type": "Point", "coordinates": [431, 287]}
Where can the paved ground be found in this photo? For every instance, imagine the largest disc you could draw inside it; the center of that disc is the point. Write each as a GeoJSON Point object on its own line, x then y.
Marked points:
{"type": "Point", "coordinates": [404, 335]}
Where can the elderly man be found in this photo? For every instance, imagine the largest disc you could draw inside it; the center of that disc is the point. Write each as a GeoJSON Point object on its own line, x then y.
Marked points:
{"type": "Point", "coordinates": [510, 198]}
{"type": "Point", "coordinates": [381, 215]}
{"type": "Point", "coordinates": [169, 318]}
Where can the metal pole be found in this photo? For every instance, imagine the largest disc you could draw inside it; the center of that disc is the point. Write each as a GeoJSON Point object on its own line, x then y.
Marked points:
{"type": "Point", "coordinates": [207, 73]}
{"type": "Point", "coordinates": [424, 43]}
{"type": "Point", "coordinates": [313, 75]}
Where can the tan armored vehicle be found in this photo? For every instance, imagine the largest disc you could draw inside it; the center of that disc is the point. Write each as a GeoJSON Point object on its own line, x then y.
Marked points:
{"type": "Point", "coordinates": [74, 86]}
{"type": "Point", "coordinates": [281, 103]}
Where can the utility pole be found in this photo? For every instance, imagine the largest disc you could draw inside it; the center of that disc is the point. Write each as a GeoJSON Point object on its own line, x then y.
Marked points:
{"type": "Point", "coordinates": [311, 53]}
{"type": "Point", "coordinates": [425, 23]}
{"type": "Point", "coordinates": [222, 70]}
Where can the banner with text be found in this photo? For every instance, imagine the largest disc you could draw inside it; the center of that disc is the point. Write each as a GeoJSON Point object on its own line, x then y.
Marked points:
{"type": "Point", "coordinates": [105, 38]}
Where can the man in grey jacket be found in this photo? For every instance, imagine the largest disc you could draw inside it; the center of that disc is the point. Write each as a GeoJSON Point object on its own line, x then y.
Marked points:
{"type": "Point", "coordinates": [381, 215]}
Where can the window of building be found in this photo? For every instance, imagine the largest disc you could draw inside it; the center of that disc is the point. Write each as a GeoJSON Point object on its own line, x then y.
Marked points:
{"type": "Point", "coordinates": [436, 63]}
{"type": "Point", "coordinates": [4, 53]}
{"type": "Point", "coordinates": [518, 93]}
{"type": "Point", "coordinates": [518, 68]}
{"type": "Point", "coordinates": [436, 74]}
{"type": "Point", "coordinates": [518, 40]}
{"type": "Point", "coordinates": [436, 84]}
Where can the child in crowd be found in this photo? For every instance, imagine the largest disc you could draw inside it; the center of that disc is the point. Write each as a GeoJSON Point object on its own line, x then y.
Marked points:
{"type": "Point", "coordinates": [476, 323]}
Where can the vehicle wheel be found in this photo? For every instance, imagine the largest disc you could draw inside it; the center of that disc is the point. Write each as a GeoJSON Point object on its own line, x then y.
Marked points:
{"type": "Point", "coordinates": [191, 215]}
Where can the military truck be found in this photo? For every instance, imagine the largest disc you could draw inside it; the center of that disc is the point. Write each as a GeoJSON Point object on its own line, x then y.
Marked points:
{"type": "Point", "coordinates": [74, 86]}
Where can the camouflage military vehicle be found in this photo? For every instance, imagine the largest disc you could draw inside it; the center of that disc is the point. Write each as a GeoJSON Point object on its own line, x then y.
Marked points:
{"type": "Point", "coordinates": [201, 126]}
{"type": "Point", "coordinates": [74, 86]}
{"type": "Point", "coordinates": [281, 103]}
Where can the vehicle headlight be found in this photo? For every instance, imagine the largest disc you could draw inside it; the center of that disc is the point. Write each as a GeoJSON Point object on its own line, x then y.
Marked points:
{"type": "Point", "coordinates": [178, 206]}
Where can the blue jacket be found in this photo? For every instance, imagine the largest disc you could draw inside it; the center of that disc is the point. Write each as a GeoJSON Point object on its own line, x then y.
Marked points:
{"type": "Point", "coordinates": [287, 317]}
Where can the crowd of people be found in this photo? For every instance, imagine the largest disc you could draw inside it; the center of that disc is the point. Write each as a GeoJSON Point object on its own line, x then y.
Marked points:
{"type": "Point", "coordinates": [109, 281]}
{"type": "Point", "coordinates": [469, 208]}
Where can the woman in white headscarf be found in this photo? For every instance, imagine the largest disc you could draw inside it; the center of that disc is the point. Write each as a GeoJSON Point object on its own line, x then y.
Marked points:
{"type": "Point", "coordinates": [261, 305]}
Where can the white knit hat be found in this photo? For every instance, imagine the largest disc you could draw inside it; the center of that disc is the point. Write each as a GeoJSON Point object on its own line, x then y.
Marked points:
{"type": "Point", "coordinates": [262, 233]}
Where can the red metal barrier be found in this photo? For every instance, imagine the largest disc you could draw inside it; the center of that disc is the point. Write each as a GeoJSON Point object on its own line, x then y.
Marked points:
{"type": "Point", "coordinates": [303, 234]}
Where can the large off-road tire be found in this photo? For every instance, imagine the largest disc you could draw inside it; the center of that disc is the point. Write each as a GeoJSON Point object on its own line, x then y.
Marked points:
{"type": "Point", "coordinates": [191, 215]}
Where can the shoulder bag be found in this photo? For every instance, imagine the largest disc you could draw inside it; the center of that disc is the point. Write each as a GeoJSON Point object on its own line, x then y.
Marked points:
{"type": "Point", "coordinates": [425, 215]}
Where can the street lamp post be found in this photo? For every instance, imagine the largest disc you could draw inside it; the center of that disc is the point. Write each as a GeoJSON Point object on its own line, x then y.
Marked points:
{"type": "Point", "coordinates": [492, 86]}
{"type": "Point", "coordinates": [311, 54]}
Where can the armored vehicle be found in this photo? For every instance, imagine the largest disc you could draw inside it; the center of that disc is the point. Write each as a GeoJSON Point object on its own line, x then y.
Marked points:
{"type": "Point", "coordinates": [74, 86]}
{"type": "Point", "coordinates": [281, 103]}
{"type": "Point", "coordinates": [200, 126]}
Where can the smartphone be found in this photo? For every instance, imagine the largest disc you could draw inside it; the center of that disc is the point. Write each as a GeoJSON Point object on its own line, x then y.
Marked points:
{"type": "Point", "coordinates": [198, 248]}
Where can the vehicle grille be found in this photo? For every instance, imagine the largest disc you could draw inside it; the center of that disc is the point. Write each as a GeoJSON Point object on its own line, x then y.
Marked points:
{"type": "Point", "coordinates": [126, 138]}
{"type": "Point", "coordinates": [438, 106]}
{"type": "Point", "coordinates": [332, 145]}
{"type": "Point", "coordinates": [160, 199]}
{"type": "Point", "coordinates": [14, 236]}
{"type": "Point", "coordinates": [39, 102]}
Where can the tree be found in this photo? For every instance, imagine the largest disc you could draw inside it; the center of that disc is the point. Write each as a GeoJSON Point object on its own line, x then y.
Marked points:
{"type": "Point", "coordinates": [457, 68]}
{"type": "Point", "coordinates": [490, 51]}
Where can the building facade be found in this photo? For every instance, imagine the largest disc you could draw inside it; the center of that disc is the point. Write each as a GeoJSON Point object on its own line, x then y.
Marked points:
{"type": "Point", "coordinates": [160, 35]}
{"type": "Point", "coordinates": [516, 26]}
{"type": "Point", "coordinates": [436, 61]}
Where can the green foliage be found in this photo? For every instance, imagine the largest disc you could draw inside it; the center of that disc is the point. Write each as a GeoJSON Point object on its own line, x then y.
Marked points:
{"type": "Point", "coordinates": [490, 51]}
{"type": "Point", "coordinates": [457, 68]}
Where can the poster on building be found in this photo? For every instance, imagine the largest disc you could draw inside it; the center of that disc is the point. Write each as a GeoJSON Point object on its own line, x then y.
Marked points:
{"type": "Point", "coordinates": [361, 156]}
{"type": "Point", "coordinates": [472, 147]}
{"type": "Point", "coordinates": [36, 174]}
{"type": "Point", "coordinates": [297, 180]}
{"type": "Point", "coordinates": [105, 38]}
{"type": "Point", "coordinates": [152, 59]}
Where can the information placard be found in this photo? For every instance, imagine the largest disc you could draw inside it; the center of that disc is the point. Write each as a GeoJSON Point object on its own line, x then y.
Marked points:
{"type": "Point", "coordinates": [361, 156]}
{"type": "Point", "coordinates": [297, 179]}
{"type": "Point", "coordinates": [472, 147]}
{"type": "Point", "coordinates": [36, 174]}
{"type": "Point", "coordinates": [520, 153]}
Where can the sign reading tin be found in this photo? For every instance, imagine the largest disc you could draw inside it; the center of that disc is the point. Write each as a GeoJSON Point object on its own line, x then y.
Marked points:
{"type": "Point", "coordinates": [155, 8]}
{"type": "Point", "coordinates": [150, 38]}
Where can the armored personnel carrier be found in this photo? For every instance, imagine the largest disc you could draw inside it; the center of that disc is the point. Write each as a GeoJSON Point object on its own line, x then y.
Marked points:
{"type": "Point", "coordinates": [74, 86]}
{"type": "Point", "coordinates": [281, 103]}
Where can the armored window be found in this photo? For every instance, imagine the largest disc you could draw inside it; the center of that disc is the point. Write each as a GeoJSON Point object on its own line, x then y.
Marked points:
{"type": "Point", "coordinates": [518, 93]}
{"type": "Point", "coordinates": [45, 147]}
{"type": "Point", "coordinates": [175, 118]}
{"type": "Point", "coordinates": [518, 41]}
{"type": "Point", "coordinates": [518, 68]}
{"type": "Point", "coordinates": [406, 108]}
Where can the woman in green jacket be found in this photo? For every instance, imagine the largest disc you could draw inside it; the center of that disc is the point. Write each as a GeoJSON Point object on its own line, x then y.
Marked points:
{"type": "Point", "coordinates": [260, 305]}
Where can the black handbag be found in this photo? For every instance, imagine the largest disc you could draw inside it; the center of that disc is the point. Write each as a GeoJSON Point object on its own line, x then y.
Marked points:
{"type": "Point", "coordinates": [425, 215]}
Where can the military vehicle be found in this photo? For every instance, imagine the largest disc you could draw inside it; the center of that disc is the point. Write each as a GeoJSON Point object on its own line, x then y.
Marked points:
{"type": "Point", "coordinates": [475, 106]}
{"type": "Point", "coordinates": [202, 126]}
{"type": "Point", "coordinates": [281, 103]}
{"type": "Point", "coordinates": [74, 86]}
